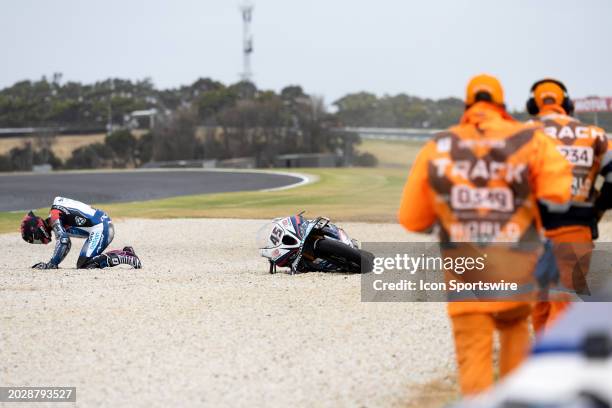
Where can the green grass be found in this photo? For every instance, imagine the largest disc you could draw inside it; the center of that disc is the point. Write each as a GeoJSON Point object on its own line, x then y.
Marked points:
{"type": "Point", "coordinates": [343, 194]}
{"type": "Point", "coordinates": [9, 221]}
{"type": "Point", "coordinates": [392, 153]}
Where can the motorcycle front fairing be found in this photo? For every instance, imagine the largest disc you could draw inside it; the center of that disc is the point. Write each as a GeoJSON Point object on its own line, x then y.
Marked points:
{"type": "Point", "coordinates": [280, 240]}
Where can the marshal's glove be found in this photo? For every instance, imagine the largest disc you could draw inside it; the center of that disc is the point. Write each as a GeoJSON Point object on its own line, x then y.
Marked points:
{"type": "Point", "coordinates": [44, 265]}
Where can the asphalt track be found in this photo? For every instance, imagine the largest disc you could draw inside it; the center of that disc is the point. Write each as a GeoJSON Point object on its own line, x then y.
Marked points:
{"type": "Point", "coordinates": [29, 191]}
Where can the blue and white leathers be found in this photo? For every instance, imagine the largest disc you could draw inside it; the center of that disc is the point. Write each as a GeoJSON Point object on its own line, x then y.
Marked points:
{"type": "Point", "coordinates": [71, 218]}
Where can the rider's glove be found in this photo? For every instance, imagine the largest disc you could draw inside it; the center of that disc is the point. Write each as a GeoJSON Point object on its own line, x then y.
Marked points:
{"type": "Point", "coordinates": [44, 265]}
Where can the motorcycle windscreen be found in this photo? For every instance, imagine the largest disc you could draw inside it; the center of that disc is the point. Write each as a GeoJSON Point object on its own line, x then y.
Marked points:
{"type": "Point", "coordinates": [269, 236]}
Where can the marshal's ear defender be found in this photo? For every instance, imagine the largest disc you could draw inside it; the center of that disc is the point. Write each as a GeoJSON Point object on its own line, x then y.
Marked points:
{"type": "Point", "coordinates": [566, 104]}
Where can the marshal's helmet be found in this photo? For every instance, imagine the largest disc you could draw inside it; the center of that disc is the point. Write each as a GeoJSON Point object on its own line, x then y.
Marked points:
{"type": "Point", "coordinates": [34, 230]}
{"type": "Point", "coordinates": [486, 88]}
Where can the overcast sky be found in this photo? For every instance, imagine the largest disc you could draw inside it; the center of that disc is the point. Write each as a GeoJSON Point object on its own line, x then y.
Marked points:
{"type": "Point", "coordinates": [426, 48]}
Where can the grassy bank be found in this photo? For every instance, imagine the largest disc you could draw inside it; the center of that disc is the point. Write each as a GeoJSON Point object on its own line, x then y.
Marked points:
{"type": "Point", "coordinates": [392, 153]}
{"type": "Point", "coordinates": [9, 222]}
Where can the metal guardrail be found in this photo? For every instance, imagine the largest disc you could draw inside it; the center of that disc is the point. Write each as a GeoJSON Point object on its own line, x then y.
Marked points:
{"type": "Point", "coordinates": [389, 133]}
{"type": "Point", "coordinates": [395, 133]}
{"type": "Point", "coordinates": [41, 131]}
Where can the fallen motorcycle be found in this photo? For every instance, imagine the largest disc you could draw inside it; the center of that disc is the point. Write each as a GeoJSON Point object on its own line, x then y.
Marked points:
{"type": "Point", "coordinates": [311, 246]}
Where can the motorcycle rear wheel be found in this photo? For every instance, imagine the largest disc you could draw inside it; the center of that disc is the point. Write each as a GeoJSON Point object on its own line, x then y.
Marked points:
{"type": "Point", "coordinates": [346, 258]}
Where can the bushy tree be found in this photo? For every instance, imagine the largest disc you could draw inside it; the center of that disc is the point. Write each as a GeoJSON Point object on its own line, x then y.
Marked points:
{"type": "Point", "coordinates": [366, 160]}
{"type": "Point", "coordinates": [144, 149]}
{"type": "Point", "coordinates": [174, 137]}
{"type": "Point", "coordinates": [120, 149]}
{"type": "Point", "coordinates": [367, 110]}
{"type": "Point", "coordinates": [358, 109]}
{"type": "Point", "coordinates": [5, 163]}
{"type": "Point", "coordinates": [46, 156]}
{"type": "Point", "coordinates": [21, 157]}
{"type": "Point", "coordinates": [93, 156]}
{"type": "Point", "coordinates": [209, 104]}
{"type": "Point", "coordinates": [123, 145]}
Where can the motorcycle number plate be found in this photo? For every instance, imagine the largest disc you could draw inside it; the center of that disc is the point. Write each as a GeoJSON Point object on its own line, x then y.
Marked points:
{"type": "Point", "coordinates": [276, 235]}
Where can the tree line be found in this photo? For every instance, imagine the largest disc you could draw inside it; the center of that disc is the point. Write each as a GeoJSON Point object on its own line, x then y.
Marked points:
{"type": "Point", "coordinates": [51, 102]}
{"type": "Point", "coordinates": [206, 120]}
